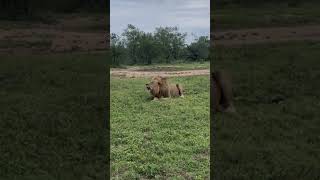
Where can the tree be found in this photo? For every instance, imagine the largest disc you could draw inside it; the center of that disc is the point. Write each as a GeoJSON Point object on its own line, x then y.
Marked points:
{"type": "Point", "coordinates": [147, 48]}
{"type": "Point", "coordinates": [132, 36]}
{"type": "Point", "coordinates": [171, 42]}
{"type": "Point", "coordinates": [165, 44]}
{"type": "Point", "coordinates": [117, 49]}
{"type": "Point", "coordinates": [198, 50]}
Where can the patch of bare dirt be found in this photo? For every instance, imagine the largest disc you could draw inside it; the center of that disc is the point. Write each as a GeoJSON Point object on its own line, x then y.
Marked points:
{"type": "Point", "coordinates": [135, 73]}
{"type": "Point", "coordinates": [265, 35]}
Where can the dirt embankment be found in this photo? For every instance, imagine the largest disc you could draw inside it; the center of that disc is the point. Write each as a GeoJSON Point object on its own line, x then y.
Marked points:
{"type": "Point", "coordinates": [134, 73]}
{"type": "Point", "coordinates": [70, 33]}
{"type": "Point", "coordinates": [265, 35]}
{"type": "Point", "coordinates": [79, 33]}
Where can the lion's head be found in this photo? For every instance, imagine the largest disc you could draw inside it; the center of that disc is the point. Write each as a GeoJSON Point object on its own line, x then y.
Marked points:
{"type": "Point", "coordinates": [156, 86]}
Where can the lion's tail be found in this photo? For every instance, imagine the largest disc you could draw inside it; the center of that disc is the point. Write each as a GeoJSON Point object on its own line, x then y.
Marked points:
{"type": "Point", "coordinates": [179, 90]}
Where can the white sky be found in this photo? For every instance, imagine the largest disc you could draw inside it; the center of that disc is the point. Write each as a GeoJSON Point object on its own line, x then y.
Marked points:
{"type": "Point", "coordinates": [191, 16]}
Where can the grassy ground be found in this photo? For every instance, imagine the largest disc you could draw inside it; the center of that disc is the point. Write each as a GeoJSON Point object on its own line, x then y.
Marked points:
{"type": "Point", "coordinates": [52, 117]}
{"type": "Point", "coordinates": [265, 15]}
{"type": "Point", "coordinates": [276, 133]}
{"type": "Point", "coordinates": [161, 139]}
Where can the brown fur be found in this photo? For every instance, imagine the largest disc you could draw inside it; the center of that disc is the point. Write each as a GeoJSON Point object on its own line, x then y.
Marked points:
{"type": "Point", "coordinates": [222, 95]}
{"type": "Point", "coordinates": [159, 87]}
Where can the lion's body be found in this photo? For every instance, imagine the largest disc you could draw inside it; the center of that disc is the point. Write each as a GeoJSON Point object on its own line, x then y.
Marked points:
{"type": "Point", "coordinates": [222, 95]}
{"type": "Point", "coordinates": [175, 90]}
{"type": "Point", "coordinates": [159, 87]}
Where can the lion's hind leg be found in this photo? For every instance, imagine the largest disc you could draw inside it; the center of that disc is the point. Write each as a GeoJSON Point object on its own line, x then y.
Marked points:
{"type": "Point", "coordinates": [155, 99]}
{"type": "Point", "coordinates": [230, 109]}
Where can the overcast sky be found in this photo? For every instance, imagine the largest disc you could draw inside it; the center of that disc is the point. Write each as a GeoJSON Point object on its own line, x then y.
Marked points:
{"type": "Point", "coordinates": [191, 16]}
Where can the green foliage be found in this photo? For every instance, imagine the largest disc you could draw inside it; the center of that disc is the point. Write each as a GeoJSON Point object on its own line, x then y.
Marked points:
{"type": "Point", "coordinates": [199, 50]}
{"type": "Point", "coordinates": [171, 42]}
{"type": "Point", "coordinates": [118, 50]}
{"type": "Point", "coordinates": [131, 38]}
{"type": "Point", "coordinates": [165, 139]}
{"type": "Point", "coordinates": [165, 45]}
{"type": "Point", "coordinates": [147, 48]}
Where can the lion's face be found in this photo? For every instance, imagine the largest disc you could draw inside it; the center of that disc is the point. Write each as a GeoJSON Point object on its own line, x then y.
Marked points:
{"type": "Point", "coordinates": [155, 85]}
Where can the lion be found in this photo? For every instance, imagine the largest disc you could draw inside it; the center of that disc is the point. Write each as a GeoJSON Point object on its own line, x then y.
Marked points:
{"type": "Point", "coordinates": [222, 93]}
{"type": "Point", "coordinates": [159, 87]}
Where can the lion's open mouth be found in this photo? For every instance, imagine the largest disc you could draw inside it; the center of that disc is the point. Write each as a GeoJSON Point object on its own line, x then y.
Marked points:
{"type": "Point", "coordinates": [148, 87]}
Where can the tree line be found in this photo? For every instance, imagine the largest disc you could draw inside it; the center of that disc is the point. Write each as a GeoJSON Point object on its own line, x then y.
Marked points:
{"type": "Point", "coordinates": [164, 45]}
{"type": "Point", "coordinates": [25, 9]}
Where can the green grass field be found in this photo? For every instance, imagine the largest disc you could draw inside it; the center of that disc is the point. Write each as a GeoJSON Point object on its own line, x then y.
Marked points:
{"type": "Point", "coordinates": [52, 117]}
{"type": "Point", "coordinates": [276, 133]}
{"type": "Point", "coordinates": [264, 15]}
{"type": "Point", "coordinates": [165, 139]}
